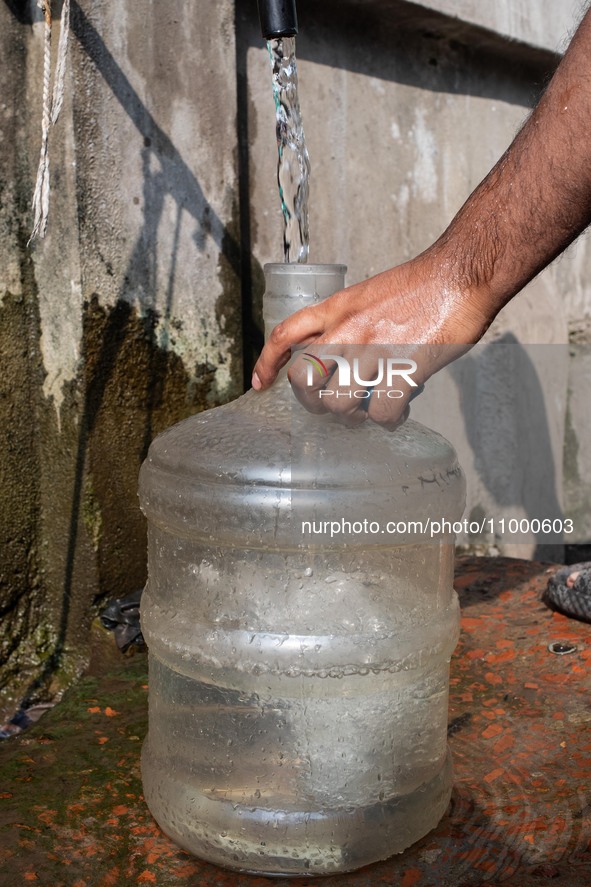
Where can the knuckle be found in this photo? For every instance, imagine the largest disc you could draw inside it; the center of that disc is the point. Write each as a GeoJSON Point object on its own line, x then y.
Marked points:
{"type": "Point", "coordinates": [278, 334]}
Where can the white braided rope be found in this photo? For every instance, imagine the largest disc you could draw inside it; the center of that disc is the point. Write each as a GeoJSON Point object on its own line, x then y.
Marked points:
{"type": "Point", "coordinates": [41, 195]}
{"type": "Point", "coordinates": [51, 110]}
{"type": "Point", "coordinates": [60, 70]}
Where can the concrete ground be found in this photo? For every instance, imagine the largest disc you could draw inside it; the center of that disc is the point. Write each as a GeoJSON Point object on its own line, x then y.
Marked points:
{"type": "Point", "coordinates": [71, 806]}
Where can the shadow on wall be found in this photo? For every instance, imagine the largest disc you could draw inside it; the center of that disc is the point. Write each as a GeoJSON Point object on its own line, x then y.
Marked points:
{"type": "Point", "coordinates": [407, 43]}
{"type": "Point", "coordinates": [504, 409]}
{"type": "Point", "coordinates": [140, 379]}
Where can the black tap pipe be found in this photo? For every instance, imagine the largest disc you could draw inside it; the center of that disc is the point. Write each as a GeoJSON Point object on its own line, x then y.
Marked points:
{"type": "Point", "coordinates": [278, 18]}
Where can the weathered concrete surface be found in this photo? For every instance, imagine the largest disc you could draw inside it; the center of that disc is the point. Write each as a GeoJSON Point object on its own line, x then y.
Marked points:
{"type": "Point", "coordinates": [541, 23]}
{"type": "Point", "coordinates": [124, 320]}
{"type": "Point", "coordinates": [504, 406]}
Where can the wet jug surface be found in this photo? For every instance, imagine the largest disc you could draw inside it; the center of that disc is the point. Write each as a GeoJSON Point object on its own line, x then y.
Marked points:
{"type": "Point", "coordinates": [298, 683]}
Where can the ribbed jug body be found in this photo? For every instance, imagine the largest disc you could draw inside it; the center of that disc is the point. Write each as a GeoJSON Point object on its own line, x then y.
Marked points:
{"type": "Point", "coordinates": [298, 680]}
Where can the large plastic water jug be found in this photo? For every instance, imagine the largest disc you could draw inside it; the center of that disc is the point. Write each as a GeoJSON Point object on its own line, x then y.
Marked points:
{"type": "Point", "coordinates": [298, 683]}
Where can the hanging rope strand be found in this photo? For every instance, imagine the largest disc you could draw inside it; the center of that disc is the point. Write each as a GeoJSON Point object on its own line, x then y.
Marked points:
{"type": "Point", "coordinates": [41, 195]}
{"type": "Point", "coordinates": [51, 110]}
{"type": "Point", "coordinates": [60, 70]}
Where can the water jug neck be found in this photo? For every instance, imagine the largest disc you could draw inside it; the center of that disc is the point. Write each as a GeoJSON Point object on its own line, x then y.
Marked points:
{"type": "Point", "coordinates": [290, 287]}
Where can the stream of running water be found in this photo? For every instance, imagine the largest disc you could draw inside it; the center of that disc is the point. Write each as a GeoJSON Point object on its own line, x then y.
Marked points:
{"type": "Point", "coordinates": [293, 165]}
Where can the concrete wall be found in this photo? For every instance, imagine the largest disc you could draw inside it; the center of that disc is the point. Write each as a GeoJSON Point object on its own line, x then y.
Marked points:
{"type": "Point", "coordinates": [123, 320]}
{"type": "Point", "coordinates": [537, 23]}
{"type": "Point", "coordinates": [144, 299]}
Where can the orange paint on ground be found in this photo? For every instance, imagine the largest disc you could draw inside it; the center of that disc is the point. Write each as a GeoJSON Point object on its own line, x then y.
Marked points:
{"type": "Point", "coordinates": [493, 678]}
{"type": "Point", "coordinates": [492, 730]}
{"type": "Point", "coordinates": [120, 810]}
{"type": "Point", "coordinates": [505, 656]}
{"type": "Point", "coordinates": [504, 743]}
{"type": "Point", "coordinates": [470, 622]}
{"type": "Point", "coordinates": [556, 678]}
{"type": "Point", "coordinates": [494, 774]}
{"type": "Point", "coordinates": [475, 654]}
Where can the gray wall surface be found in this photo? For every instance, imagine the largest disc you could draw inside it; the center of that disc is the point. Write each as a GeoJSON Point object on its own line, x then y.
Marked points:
{"type": "Point", "coordinates": [124, 319]}
{"type": "Point", "coordinates": [142, 305]}
{"type": "Point", "coordinates": [539, 23]}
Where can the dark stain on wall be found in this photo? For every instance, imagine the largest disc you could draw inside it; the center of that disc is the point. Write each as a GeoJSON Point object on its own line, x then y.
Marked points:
{"type": "Point", "coordinates": [20, 581]}
{"type": "Point", "coordinates": [134, 390]}
{"type": "Point", "coordinates": [72, 533]}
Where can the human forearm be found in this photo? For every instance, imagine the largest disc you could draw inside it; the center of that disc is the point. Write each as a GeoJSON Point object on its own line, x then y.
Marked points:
{"type": "Point", "coordinates": [536, 199]}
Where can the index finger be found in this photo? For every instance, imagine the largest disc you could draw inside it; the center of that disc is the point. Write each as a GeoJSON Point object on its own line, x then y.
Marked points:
{"type": "Point", "coordinates": [303, 326]}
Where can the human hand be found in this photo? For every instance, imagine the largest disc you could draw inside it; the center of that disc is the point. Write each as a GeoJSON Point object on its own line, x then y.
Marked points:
{"type": "Point", "coordinates": [411, 312]}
